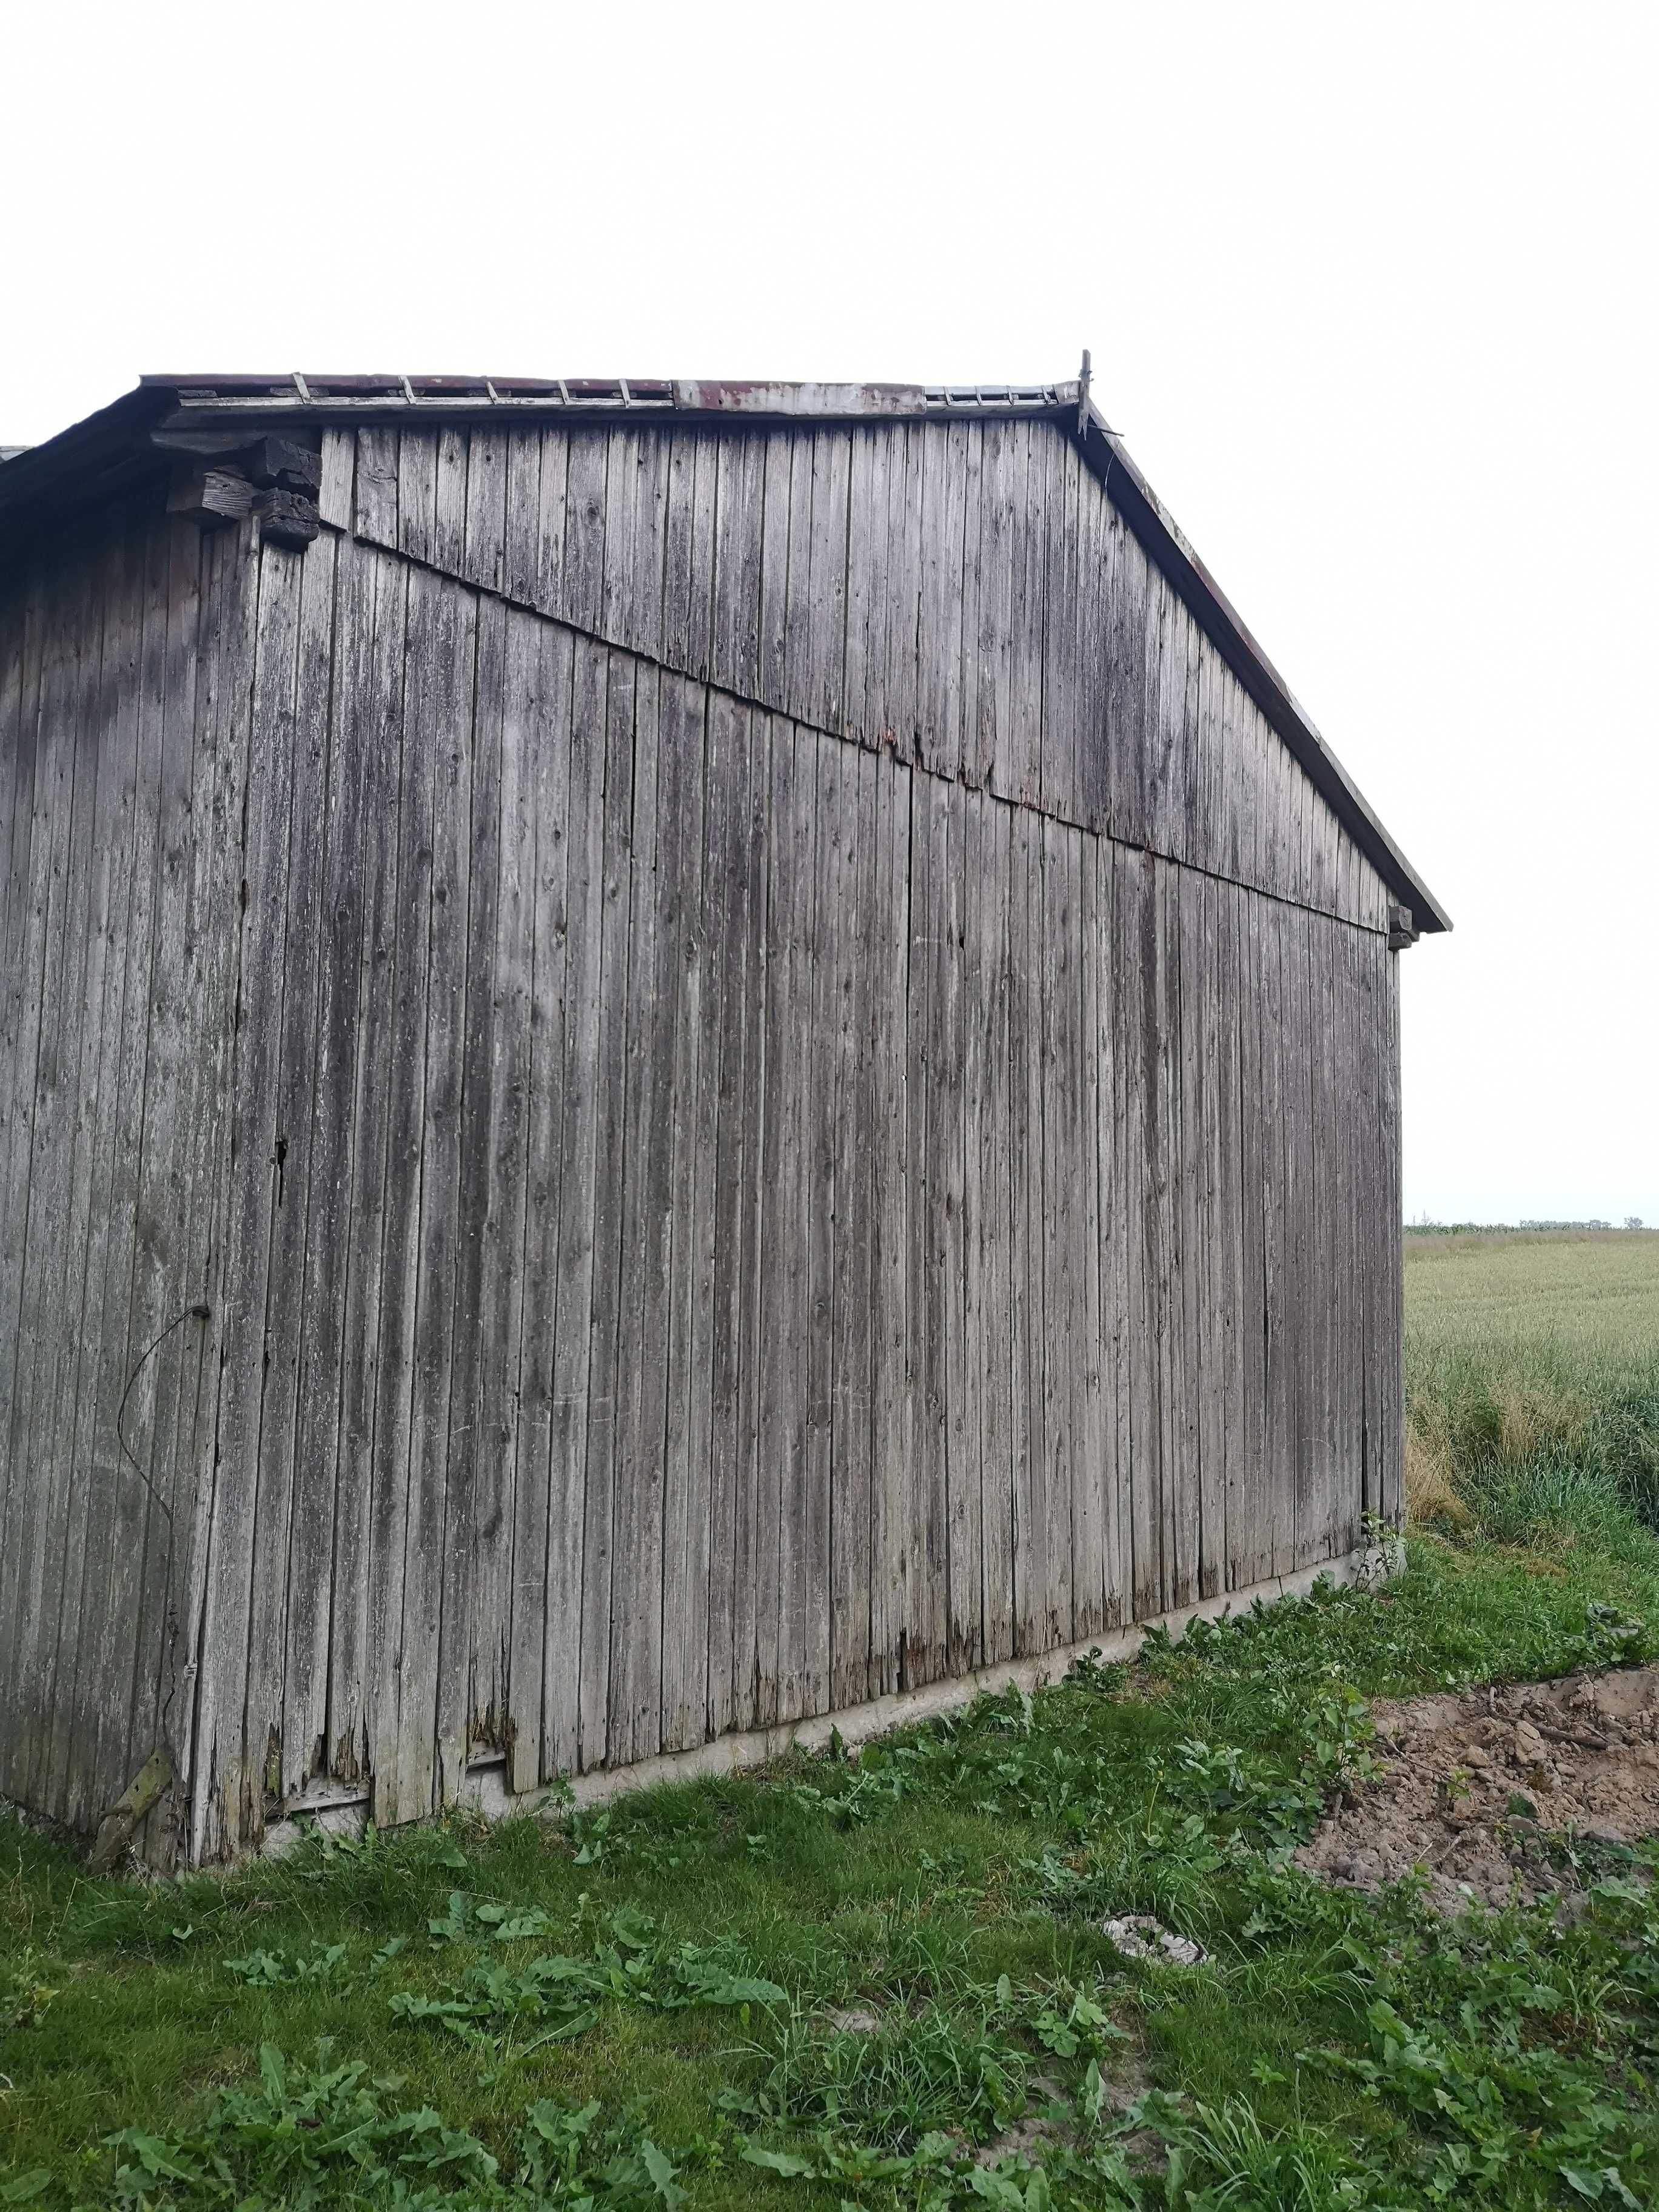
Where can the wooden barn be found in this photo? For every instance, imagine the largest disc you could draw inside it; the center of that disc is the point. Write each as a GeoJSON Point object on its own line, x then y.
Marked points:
{"type": "Point", "coordinates": [678, 1058]}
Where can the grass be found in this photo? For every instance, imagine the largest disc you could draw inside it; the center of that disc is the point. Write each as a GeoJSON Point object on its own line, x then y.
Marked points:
{"type": "Point", "coordinates": [834, 1984]}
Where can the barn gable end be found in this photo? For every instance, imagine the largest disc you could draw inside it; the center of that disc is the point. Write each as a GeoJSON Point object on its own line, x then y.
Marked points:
{"type": "Point", "coordinates": [771, 1049]}
{"type": "Point", "coordinates": [963, 592]}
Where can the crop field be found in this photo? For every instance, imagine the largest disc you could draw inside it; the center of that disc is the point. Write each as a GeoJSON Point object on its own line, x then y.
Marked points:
{"type": "Point", "coordinates": [1532, 1377]}
{"type": "Point", "coordinates": [887, 1981]}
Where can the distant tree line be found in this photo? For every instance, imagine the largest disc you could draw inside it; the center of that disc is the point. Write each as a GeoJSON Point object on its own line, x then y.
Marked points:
{"type": "Point", "coordinates": [1427, 1228]}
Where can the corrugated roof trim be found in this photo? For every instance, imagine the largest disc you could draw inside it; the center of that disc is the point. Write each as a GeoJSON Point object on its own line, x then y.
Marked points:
{"type": "Point", "coordinates": [400, 395]}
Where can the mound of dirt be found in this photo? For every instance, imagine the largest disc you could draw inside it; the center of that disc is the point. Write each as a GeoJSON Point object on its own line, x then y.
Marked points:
{"type": "Point", "coordinates": [1473, 1785]}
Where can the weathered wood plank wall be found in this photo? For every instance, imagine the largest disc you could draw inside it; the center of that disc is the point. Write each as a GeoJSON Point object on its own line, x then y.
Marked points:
{"type": "Point", "coordinates": [705, 1221]}
{"type": "Point", "coordinates": [123, 745]}
{"type": "Point", "coordinates": [965, 594]}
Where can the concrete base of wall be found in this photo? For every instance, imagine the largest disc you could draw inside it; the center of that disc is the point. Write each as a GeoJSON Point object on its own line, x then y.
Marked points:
{"type": "Point", "coordinates": [343, 1808]}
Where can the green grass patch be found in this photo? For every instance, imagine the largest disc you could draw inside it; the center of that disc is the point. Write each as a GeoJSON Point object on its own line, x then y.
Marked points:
{"type": "Point", "coordinates": [884, 1981]}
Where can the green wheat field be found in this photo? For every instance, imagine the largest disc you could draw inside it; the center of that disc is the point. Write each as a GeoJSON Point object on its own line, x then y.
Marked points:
{"type": "Point", "coordinates": [885, 1982]}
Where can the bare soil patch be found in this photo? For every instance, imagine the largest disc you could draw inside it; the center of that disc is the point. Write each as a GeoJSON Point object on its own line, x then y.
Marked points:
{"type": "Point", "coordinates": [1474, 1788]}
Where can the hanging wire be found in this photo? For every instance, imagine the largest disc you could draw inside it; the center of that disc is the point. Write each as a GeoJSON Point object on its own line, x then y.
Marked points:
{"type": "Point", "coordinates": [187, 1313]}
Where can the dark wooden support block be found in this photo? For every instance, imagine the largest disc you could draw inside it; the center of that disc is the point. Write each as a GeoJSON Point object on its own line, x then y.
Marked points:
{"type": "Point", "coordinates": [1402, 932]}
{"type": "Point", "coordinates": [283, 461]}
{"type": "Point", "coordinates": [211, 496]}
{"type": "Point", "coordinates": [287, 518]}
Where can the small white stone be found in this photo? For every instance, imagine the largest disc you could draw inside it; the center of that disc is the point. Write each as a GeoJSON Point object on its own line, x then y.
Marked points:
{"type": "Point", "coordinates": [1138, 1936]}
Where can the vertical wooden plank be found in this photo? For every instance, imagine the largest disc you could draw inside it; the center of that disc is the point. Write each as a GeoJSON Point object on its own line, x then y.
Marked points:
{"type": "Point", "coordinates": [162, 1285]}
{"type": "Point", "coordinates": [891, 1396]}
{"type": "Point", "coordinates": [581, 589]}
{"type": "Point", "coordinates": [1026, 701]}
{"type": "Point", "coordinates": [939, 692]}
{"type": "Point", "coordinates": [739, 494]}
{"type": "Point", "coordinates": [400, 1791]}
{"type": "Point", "coordinates": [376, 500]}
{"type": "Point", "coordinates": [834, 815]}
{"type": "Point", "coordinates": [1390, 1216]}
{"type": "Point", "coordinates": [336, 488]}
{"type": "Point", "coordinates": [1026, 1311]}
{"type": "Point", "coordinates": [66, 796]}
{"type": "Point", "coordinates": [971, 1503]}
{"type": "Point", "coordinates": [1096, 583]}
{"type": "Point", "coordinates": [636, 1624]}
{"type": "Point", "coordinates": [1278, 1194]}
{"type": "Point", "coordinates": [735, 874]}
{"type": "Point", "coordinates": [1094, 1511]}
{"type": "Point", "coordinates": [436, 1554]}
{"type": "Point", "coordinates": [417, 493]}
{"type": "Point", "coordinates": [1060, 1147]}
{"type": "Point", "coordinates": [992, 1176]}
{"type": "Point", "coordinates": [359, 1646]}
{"type": "Point", "coordinates": [1137, 1004]}
{"type": "Point", "coordinates": [798, 632]}
{"type": "Point", "coordinates": [517, 1624]}
{"type": "Point", "coordinates": [1253, 1529]}
{"type": "Point", "coordinates": [345, 804]}
{"type": "Point", "coordinates": [610, 1172]}
{"type": "Point", "coordinates": [694, 1134]}
{"type": "Point", "coordinates": [1232, 1307]}
{"type": "Point", "coordinates": [521, 519]}
{"type": "Point", "coordinates": [865, 684]}
{"type": "Point", "coordinates": [39, 863]}
{"type": "Point", "coordinates": [850, 924]}
{"type": "Point", "coordinates": [772, 673]}
{"type": "Point", "coordinates": [293, 1528]}
{"type": "Point", "coordinates": [449, 505]}
{"type": "Point", "coordinates": [20, 625]}
{"type": "Point", "coordinates": [236, 1766]}
{"type": "Point", "coordinates": [927, 1562]}
{"type": "Point", "coordinates": [961, 1628]}
{"type": "Point", "coordinates": [228, 640]}
{"type": "Point", "coordinates": [826, 581]}
{"type": "Point", "coordinates": [755, 1609]}
{"type": "Point", "coordinates": [1116, 1052]}
{"type": "Point", "coordinates": [993, 577]}
{"type": "Point", "coordinates": [1216, 1305]}
{"type": "Point", "coordinates": [1188, 1319]}
{"type": "Point", "coordinates": [901, 590]}
{"type": "Point", "coordinates": [551, 510]}
{"type": "Point", "coordinates": [477, 1499]}
{"type": "Point", "coordinates": [619, 608]}
{"type": "Point", "coordinates": [59, 1757]}
{"type": "Point", "coordinates": [85, 1667]}
{"type": "Point", "coordinates": [1300, 1189]}
{"type": "Point", "coordinates": [1065, 546]}
{"type": "Point", "coordinates": [700, 613]}
{"type": "Point", "coordinates": [778, 1625]}
{"type": "Point", "coordinates": [226, 576]}
{"type": "Point", "coordinates": [966, 457]}
{"type": "Point", "coordinates": [523, 683]}
{"type": "Point", "coordinates": [554, 725]}
{"type": "Point", "coordinates": [1003, 605]}
{"type": "Point", "coordinates": [483, 556]}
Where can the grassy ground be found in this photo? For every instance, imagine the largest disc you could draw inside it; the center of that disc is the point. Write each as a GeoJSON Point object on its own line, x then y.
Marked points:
{"type": "Point", "coordinates": [830, 1987]}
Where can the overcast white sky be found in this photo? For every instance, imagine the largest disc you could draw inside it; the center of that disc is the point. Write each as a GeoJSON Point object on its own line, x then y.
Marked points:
{"type": "Point", "coordinates": [1370, 292]}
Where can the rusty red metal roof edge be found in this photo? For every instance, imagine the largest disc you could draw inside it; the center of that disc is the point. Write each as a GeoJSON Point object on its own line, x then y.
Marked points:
{"type": "Point", "coordinates": [89, 450]}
